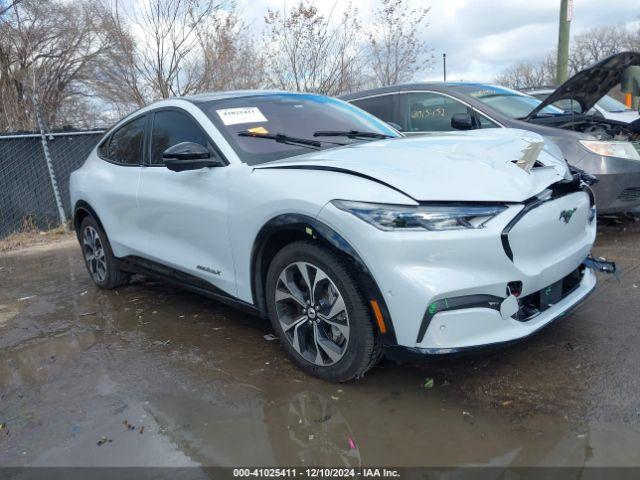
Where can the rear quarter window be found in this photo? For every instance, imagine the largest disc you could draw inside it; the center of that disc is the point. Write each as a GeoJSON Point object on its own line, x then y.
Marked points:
{"type": "Point", "coordinates": [124, 146]}
{"type": "Point", "coordinates": [381, 107]}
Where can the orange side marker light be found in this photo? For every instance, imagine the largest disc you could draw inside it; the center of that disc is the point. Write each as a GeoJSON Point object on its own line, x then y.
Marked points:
{"type": "Point", "coordinates": [379, 318]}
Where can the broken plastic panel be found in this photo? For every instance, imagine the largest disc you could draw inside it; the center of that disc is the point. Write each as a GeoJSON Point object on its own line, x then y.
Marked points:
{"type": "Point", "coordinates": [600, 264]}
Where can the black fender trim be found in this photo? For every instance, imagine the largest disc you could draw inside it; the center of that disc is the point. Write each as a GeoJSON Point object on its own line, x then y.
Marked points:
{"type": "Point", "coordinates": [314, 229]}
{"type": "Point", "coordinates": [80, 206]}
{"type": "Point", "coordinates": [178, 278]}
{"type": "Point", "coordinates": [338, 170]}
{"type": "Point", "coordinates": [456, 303]}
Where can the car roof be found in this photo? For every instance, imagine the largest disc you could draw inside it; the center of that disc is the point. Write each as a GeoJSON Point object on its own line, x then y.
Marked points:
{"type": "Point", "coordinates": [210, 96]}
{"type": "Point", "coordinates": [436, 86]}
{"type": "Point", "coordinates": [544, 89]}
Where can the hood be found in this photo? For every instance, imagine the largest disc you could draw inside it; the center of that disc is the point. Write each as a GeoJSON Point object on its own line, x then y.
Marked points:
{"type": "Point", "coordinates": [628, 116]}
{"type": "Point", "coordinates": [479, 165]}
{"type": "Point", "coordinates": [591, 84]}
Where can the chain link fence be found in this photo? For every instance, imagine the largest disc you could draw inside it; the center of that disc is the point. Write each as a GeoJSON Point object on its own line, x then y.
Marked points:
{"type": "Point", "coordinates": [34, 177]}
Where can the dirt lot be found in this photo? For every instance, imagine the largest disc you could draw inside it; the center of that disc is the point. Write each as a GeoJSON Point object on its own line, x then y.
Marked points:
{"type": "Point", "coordinates": [83, 370]}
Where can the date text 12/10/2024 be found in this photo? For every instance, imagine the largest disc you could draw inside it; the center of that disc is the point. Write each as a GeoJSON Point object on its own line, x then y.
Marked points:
{"type": "Point", "coordinates": [315, 473]}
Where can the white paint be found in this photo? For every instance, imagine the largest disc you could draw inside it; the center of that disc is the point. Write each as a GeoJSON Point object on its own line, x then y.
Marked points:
{"type": "Point", "coordinates": [212, 217]}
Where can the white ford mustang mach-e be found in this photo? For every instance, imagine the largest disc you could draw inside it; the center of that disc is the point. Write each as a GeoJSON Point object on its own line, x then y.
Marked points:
{"type": "Point", "coordinates": [350, 238]}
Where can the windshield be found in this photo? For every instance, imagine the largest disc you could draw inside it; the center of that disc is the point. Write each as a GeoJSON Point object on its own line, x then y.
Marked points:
{"type": "Point", "coordinates": [292, 114]}
{"type": "Point", "coordinates": [611, 105]}
{"type": "Point", "coordinates": [509, 102]}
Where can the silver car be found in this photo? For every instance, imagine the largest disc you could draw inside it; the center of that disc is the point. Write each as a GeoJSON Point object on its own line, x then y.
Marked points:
{"type": "Point", "coordinates": [607, 149]}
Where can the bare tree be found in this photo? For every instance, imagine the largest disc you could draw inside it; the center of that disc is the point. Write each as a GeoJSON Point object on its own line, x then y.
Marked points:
{"type": "Point", "coordinates": [587, 48]}
{"type": "Point", "coordinates": [596, 44]}
{"type": "Point", "coordinates": [633, 40]}
{"type": "Point", "coordinates": [170, 30]}
{"type": "Point", "coordinates": [529, 74]}
{"type": "Point", "coordinates": [6, 6]}
{"type": "Point", "coordinates": [230, 59]}
{"type": "Point", "coordinates": [396, 52]}
{"type": "Point", "coordinates": [311, 52]}
{"type": "Point", "coordinates": [117, 77]}
{"type": "Point", "coordinates": [156, 51]}
{"type": "Point", "coordinates": [46, 50]}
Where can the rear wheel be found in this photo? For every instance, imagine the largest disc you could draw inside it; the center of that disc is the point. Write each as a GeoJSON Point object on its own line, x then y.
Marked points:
{"type": "Point", "coordinates": [98, 256]}
{"type": "Point", "coordinates": [319, 313]}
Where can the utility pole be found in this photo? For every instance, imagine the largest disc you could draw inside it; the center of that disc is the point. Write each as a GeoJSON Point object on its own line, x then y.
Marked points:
{"type": "Point", "coordinates": [562, 68]}
{"type": "Point", "coordinates": [444, 66]}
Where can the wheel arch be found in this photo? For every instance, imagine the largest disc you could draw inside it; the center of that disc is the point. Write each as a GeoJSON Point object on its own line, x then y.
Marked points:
{"type": "Point", "coordinates": [81, 210]}
{"type": "Point", "coordinates": [287, 228]}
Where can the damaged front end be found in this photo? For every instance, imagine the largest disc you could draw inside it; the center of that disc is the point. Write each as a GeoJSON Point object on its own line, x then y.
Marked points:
{"type": "Point", "coordinates": [549, 287]}
{"type": "Point", "coordinates": [537, 302]}
{"type": "Point", "coordinates": [601, 264]}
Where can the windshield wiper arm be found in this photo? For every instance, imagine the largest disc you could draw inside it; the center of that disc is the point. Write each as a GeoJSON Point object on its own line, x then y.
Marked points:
{"type": "Point", "coordinates": [280, 138]}
{"type": "Point", "coordinates": [351, 134]}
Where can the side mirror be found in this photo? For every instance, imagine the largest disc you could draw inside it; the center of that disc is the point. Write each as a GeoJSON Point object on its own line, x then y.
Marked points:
{"type": "Point", "coordinates": [464, 121]}
{"type": "Point", "coordinates": [188, 156]}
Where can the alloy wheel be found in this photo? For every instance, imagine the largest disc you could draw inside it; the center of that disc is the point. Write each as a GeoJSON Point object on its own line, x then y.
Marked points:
{"type": "Point", "coordinates": [312, 313]}
{"type": "Point", "coordinates": [94, 254]}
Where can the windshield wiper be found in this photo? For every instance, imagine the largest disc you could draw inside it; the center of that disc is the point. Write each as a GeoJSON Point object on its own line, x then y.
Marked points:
{"type": "Point", "coordinates": [351, 134]}
{"type": "Point", "coordinates": [280, 138]}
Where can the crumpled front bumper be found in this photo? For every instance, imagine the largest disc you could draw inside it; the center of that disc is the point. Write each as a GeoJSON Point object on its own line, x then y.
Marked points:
{"type": "Point", "coordinates": [416, 269]}
{"type": "Point", "coordinates": [458, 330]}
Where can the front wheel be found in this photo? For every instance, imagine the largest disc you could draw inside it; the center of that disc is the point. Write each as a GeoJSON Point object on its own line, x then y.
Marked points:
{"type": "Point", "coordinates": [319, 313]}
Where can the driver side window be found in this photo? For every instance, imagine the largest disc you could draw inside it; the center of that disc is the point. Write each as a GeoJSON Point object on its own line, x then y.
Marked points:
{"type": "Point", "coordinates": [171, 127]}
{"type": "Point", "coordinates": [432, 112]}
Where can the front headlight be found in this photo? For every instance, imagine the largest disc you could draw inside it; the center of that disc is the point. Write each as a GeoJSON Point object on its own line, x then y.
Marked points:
{"type": "Point", "coordinates": [612, 149]}
{"type": "Point", "coordinates": [427, 217]}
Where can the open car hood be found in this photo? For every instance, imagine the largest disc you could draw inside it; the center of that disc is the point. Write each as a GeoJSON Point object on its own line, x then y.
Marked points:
{"type": "Point", "coordinates": [591, 84]}
{"type": "Point", "coordinates": [478, 166]}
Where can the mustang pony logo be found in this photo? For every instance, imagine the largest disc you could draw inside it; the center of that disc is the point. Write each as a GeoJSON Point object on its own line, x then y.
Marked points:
{"type": "Point", "coordinates": [566, 215]}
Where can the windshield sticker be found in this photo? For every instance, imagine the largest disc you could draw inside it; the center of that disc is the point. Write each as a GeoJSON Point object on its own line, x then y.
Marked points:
{"type": "Point", "coordinates": [233, 116]}
{"type": "Point", "coordinates": [259, 130]}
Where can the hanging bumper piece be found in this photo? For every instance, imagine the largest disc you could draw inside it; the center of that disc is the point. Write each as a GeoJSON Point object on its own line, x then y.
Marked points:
{"type": "Point", "coordinates": [601, 265]}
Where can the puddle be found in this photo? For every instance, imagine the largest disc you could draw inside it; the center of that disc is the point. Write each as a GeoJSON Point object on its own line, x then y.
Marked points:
{"type": "Point", "coordinates": [76, 362]}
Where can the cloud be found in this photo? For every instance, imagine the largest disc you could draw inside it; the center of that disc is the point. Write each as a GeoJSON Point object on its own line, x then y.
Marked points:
{"type": "Point", "coordinates": [482, 37]}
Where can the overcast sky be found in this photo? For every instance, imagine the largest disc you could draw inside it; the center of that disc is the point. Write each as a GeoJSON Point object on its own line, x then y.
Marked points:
{"type": "Point", "coordinates": [482, 37]}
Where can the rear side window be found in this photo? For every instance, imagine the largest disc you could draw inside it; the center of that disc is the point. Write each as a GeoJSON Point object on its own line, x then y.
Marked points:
{"type": "Point", "coordinates": [124, 146]}
{"type": "Point", "coordinates": [171, 127]}
{"type": "Point", "coordinates": [381, 107]}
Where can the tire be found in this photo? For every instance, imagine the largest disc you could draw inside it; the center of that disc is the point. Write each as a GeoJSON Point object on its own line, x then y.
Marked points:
{"type": "Point", "coordinates": [98, 256]}
{"type": "Point", "coordinates": [334, 343]}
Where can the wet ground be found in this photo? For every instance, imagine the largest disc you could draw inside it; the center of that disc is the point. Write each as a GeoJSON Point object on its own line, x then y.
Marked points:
{"type": "Point", "coordinates": [151, 375]}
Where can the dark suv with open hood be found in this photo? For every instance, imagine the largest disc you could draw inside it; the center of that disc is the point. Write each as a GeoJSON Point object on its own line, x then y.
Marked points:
{"type": "Point", "coordinates": [608, 149]}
